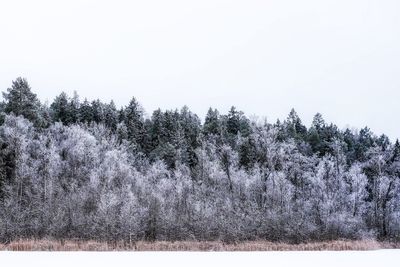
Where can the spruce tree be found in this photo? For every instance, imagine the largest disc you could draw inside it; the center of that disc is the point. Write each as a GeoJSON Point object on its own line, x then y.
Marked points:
{"type": "Point", "coordinates": [212, 122]}
{"type": "Point", "coordinates": [396, 151]}
{"type": "Point", "coordinates": [60, 109]}
{"type": "Point", "coordinates": [294, 127]}
{"type": "Point", "coordinates": [111, 116]}
{"type": "Point", "coordinates": [85, 112]}
{"type": "Point", "coordinates": [134, 120]}
{"type": "Point", "coordinates": [20, 100]}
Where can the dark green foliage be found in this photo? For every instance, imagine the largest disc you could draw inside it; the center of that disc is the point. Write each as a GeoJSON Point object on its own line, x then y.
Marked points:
{"type": "Point", "coordinates": [169, 176]}
{"type": "Point", "coordinates": [61, 109]}
{"type": "Point", "coordinates": [176, 135]}
{"type": "Point", "coordinates": [189, 129]}
{"type": "Point", "coordinates": [2, 112]}
{"type": "Point", "coordinates": [350, 139]}
{"type": "Point", "coordinates": [167, 153]}
{"type": "Point", "coordinates": [7, 164]}
{"type": "Point", "coordinates": [247, 154]}
{"type": "Point", "coordinates": [20, 100]}
{"type": "Point", "coordinates": [134, 121]}
{"type": "Point", "coordinates": [383, 141]}
{"type": "Point", "coordinates": [111, 116]}
{"type": "Point", "coordinates": [363, 143]}
{"type": "Point", "coordinates": [173, 135]}
{"type": "Point", "coordinates": [212, 123]}
{"type": "Point", "coordinates": [85, 112]}
{"type": "Point", "coordinates": [396, 151]}
{"type": "Point", "coordinates": [234, 123]}
{"type": "Point", "coordinates": [294, 128]}
{"type": "Point", "coordinates": [97, 111]}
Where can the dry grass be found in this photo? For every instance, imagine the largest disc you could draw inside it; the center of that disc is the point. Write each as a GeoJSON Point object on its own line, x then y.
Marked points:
{"type": "Point", "coordinates": [74, 245]}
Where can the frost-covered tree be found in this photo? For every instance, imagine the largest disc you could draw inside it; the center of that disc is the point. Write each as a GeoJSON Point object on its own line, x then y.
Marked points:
{"type": "Point", "coordinates": [90, 171]}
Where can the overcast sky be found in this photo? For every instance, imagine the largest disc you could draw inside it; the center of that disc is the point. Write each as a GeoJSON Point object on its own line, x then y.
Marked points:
{"type": "Point", "coordinates": [339, 58]}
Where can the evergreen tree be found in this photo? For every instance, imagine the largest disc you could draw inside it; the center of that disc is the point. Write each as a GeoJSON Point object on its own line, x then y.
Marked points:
{"type": "Point", "coordinates": [20, 100]}
{"type": "Point", "coordinates": [247, 153]}
{"type": "Point", "coordinates": [364, 143]}
{"type": "Point", "coordinates": [190, 128]}
{"type": "Point", "coordinates": [85, 112]}
{"type": "Point", "coordinates": [111, 116]}
{"type": "Point", "coordinates": [350, 139]}
{"type": "Point", "coordinates": [212, 123]}
{"type": "Point", "coordinates": [383, 141]}
{"type": "Point", "coordinates": [396, 151]}
{"type": "Point", "coordinates": [156, 128]}
{"type": "Point", "coordinates": [233, 124]}
{"type": "Point", "coordinates": [314, 134]}
{"type": "Point", "coordinates": [74, 108]}
{"type": "Point", "coordinates": [97, 111]}
{"type": "Point", "coordinates": [134, 121]}
{"type": "Point", "coordinates": [61, 109]}
{"type": "Point", "coordinates": [2, 112]}
{"type": "Point", "coordinates": [294, 127]}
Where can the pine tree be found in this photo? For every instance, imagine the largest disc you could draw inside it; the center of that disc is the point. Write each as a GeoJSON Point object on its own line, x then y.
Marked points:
{"type": "Point", "coordinates": [85, 112]}
{"type": "Point", "coordinates": [363, 144]}
{"type": "Point", "coordinates": [20, 100]}
{"type": "Point", "coordinates": [111, 116]}
{"type": "Point", "coordinates": [396, 152]}
{"type": "Point", "coordinates": [156, 129]}
{"type": "Point", "coordinates": [97, 111]}
{"type": "Point", "coordinates": [212, 123]}
{"type": "Point", "coordinates": [233, 122]}
{"type": "Point", "coordinates": [247, 153]}
{"type": "Point", "coordinates": [189, 128]}
{"type": "Point", "coordinates": [74, 108]}
{"type": "Point", "coordinates": [134, 120]}
{"type": "Point", "coordinates": [294, 127]}
{"type": "Point", "coordinates": [61, 109]}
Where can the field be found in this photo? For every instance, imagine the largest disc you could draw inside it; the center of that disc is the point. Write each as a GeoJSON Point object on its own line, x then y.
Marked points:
{"type": "Point", "coordinates": [87, 253]}
{"type": "Point", "coordinates": [77, 245]}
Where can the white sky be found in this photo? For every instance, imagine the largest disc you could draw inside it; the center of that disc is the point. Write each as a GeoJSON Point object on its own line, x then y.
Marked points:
{"type": "Point", "coordinates": [340, 58]}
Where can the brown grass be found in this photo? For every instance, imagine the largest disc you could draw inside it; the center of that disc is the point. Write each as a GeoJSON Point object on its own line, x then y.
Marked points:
{"type": "Point", "coordinates": [74, 245]}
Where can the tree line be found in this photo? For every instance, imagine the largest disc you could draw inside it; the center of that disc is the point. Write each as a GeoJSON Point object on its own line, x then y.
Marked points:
{"type": "Point", "coordinates": [80, 169]}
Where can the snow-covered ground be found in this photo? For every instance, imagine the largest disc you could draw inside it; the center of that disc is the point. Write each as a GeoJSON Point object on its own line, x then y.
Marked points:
{"type": "Point", "coordinates": [312, 258]}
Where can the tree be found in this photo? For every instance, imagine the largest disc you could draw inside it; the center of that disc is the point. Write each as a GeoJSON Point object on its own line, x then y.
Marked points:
{"type": "Point", "coordinates": [315, 132]}
{"type": "Point", "coordinates": [396, 151]}
{"type": "Point", "coordinates": [111, 116]}
{"type": "Point", "coordinates": [61, 109]}
{"type": "Point", "coordinates": [188, 131]}
{"type": "Point", "coordinates": [74, 108]}
{"type": "Point", "coordinates": [134, 121]}
{"type": "Point", "coordinates": [95, 172]}
{"type": "Point", "coordinates": [266, 153]}
{"type": "Point", "coordinates": [98, 111]}
{"type": "Point", "coordinates": [20, 100]}
{"type": "Point", "coordinates": [233, 124]}
{"type": "Point", "coordinates": [247, 153]}
{"type": "Point", "coordinates": [85, 112]}
{"type": "Point", "coordinates": [364, 143]}
{"type": "Point", "coordinates": [212, 123]}
{"type": "Point", "coordinates": [357, 182]}
{"type": "Point", "coordinates": [382, 187]}
{"type": "Point", "coordinates": [227, 158]}
{"type": "Point", "coordinates": [294, 127]}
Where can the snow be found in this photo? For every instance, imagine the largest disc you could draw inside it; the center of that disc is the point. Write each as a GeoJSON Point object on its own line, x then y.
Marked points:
{"type": "Point", "coordinates": [298, 259]}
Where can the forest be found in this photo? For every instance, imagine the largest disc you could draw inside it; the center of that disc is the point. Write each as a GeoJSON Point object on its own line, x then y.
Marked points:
{"type": "Point", "coordinates": [89, 170]}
